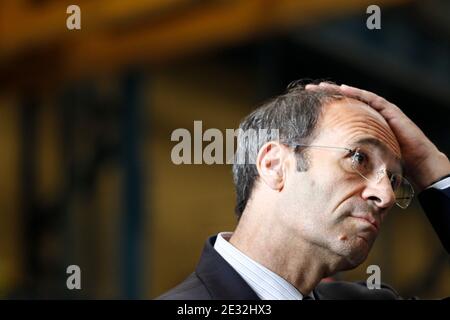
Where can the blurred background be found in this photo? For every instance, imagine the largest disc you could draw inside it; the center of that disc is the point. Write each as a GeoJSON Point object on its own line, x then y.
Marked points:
{"type": "Point", "coordinates": [86, 117]}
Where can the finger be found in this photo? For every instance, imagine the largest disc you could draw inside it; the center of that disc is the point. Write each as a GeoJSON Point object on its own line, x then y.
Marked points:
{"type": "Point", "coordinates": [361, 94]}
{"type": "Point", "coordinates": [322, 85]}
{"type": "Point", "coordinates": [312, 87]}
{"type": "Point", "coordinates": [370, 98]}
{"type": "Point", "coordinates": [327, 85]}
{"type": "Point", "coordinates": [387, 109]}
{"type": "Point", "coordinates": [352, 92]}
{"type": "Point", "coordinates": [375, 101]}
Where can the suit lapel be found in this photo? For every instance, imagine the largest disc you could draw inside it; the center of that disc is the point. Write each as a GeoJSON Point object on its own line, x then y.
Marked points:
{"type": "Point", "coordinates": [221, 280]}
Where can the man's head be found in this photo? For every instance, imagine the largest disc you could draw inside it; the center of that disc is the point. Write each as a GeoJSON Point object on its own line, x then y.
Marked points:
{"type": "Point", "coordinates": [314, 192]}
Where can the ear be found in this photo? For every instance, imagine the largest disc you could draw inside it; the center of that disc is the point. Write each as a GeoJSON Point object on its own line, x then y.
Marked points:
{"type": "Point", "coordinates": [271, 165]}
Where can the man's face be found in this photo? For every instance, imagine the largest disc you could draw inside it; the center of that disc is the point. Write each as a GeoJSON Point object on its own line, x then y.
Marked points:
{"type": "Point", "coordinates": [333, 206]}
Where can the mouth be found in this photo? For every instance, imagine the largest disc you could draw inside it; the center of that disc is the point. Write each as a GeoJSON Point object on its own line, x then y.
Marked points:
{"type": "Point", "coordinates": [371, 222]}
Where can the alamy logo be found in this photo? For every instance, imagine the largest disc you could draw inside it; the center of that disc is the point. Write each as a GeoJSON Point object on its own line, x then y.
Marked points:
{"type": "Point", "coordinates": [74, 280]}
{"type": "Point", "coordinates": [374, 20]}
{"type": "Point", "coordinates": [214, 152]}
{"type": "Point", "coordinates": [374, 280]}
{"type": "Point", "coordinates": [73, 22]}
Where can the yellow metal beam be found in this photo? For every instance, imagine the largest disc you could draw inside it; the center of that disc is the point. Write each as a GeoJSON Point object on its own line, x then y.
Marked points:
{"type": "Point", "coordinates": [168, 29]}
{"type": "Point", "coordinates": [23, 26]}
{"type": "Point", "coordinates": [212, 25]}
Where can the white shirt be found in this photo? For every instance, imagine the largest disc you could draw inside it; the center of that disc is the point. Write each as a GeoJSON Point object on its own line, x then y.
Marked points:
{"type": "Point", "coordinates": [266, 284]}
{"type": "Point", "coordinates": [441, 185]}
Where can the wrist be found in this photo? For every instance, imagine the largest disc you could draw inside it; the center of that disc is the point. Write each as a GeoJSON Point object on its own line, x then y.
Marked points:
{"type": "Point", "coordinates": [431, 170]}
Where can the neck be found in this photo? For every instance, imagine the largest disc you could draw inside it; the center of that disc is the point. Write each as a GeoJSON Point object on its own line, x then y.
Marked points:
{"type": "Point", "coordinates": [300, 263]}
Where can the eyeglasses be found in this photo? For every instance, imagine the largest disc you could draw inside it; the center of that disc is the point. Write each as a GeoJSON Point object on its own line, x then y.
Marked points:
{"type": "Point", "coordinates": [360, 163]}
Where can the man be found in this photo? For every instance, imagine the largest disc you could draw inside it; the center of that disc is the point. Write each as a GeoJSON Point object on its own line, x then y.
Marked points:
{"type": "Point", "coordinates": [314, 201]}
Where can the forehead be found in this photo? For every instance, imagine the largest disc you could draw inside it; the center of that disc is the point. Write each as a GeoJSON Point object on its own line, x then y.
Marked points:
{"type": "Point", "coordinates": [349, 122]}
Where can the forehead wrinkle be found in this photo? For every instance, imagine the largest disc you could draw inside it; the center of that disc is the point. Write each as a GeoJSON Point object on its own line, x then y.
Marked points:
{"type": "Point", "coordinates": [379, 133]}
{"type": "Point", "coordinates": [365, 122]}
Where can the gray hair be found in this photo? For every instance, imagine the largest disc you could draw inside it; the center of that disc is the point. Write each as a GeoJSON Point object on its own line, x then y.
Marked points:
{"type": "Point", "coordinates": [290, 118]}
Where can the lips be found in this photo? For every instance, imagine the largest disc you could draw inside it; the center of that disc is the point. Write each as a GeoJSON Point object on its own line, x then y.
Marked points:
{"type": "Point", "coordinates": [372, 221]}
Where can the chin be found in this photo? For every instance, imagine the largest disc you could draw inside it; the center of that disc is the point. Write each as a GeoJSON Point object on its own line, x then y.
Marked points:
{"type": "Point", "coordinates": [356, 259]}
{"type": "Point", "coordinates": [354, 252]}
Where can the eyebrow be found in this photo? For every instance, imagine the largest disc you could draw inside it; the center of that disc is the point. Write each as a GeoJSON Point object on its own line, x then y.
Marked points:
{"type": "Point", "coordinates": [378, 144]}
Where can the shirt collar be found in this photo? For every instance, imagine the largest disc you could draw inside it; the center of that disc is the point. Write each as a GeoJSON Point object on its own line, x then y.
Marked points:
{"type": "Point", "coordinates": [266, 284]}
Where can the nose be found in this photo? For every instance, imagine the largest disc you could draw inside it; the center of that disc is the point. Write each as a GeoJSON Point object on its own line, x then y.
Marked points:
{"type": "Point", "coordinates": [379, 192]}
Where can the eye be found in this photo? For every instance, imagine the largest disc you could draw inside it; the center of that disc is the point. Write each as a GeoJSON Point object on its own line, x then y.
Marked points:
{"type": "Point", "coordinates": [359, 158]}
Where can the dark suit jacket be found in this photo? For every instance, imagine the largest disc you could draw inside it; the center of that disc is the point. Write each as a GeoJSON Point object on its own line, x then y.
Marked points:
{"type": "Point", "coordinates": [215, 279]}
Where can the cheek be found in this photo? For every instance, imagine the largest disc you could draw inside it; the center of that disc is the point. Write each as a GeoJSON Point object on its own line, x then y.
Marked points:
{"type": "Point", "coordinates": [298, 201]}
{"type": "Point", "coordinates": [327, 192]}
{"type": "Point", "coordinates": [309, 202]}
{"type": "Point", "coordinates": [304, 192]}
{"type": "Point", "coordinates": [316, 196]}
{"type": "Point", "coordinates": [333, 202]}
